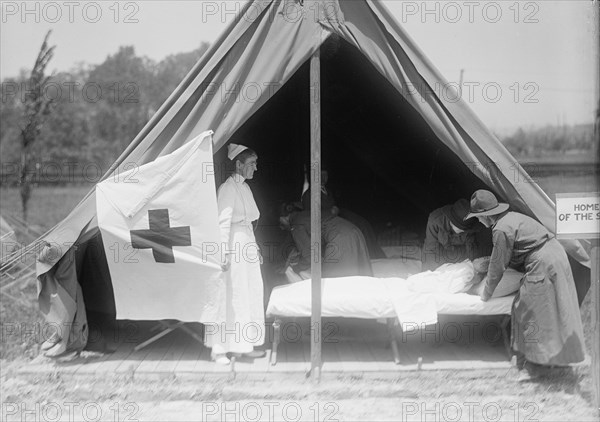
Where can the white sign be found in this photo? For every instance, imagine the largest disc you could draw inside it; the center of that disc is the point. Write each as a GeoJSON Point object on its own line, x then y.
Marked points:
{"type": "Point", "coordinates": [578, 215]}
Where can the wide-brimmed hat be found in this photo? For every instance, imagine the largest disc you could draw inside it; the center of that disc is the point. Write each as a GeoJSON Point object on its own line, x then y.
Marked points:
{"type": "Point", "coordinates": [457, 213]}
{"type": "Point", "coordinates": [484, 202]}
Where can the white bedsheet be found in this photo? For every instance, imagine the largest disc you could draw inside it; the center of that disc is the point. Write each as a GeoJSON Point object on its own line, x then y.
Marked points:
{"type": "Point", "coordinates": [352, 297]}
{"type": "Point", "coordinates": [466, 304]}
{"type": "Point", "coordinates": [372, 298]}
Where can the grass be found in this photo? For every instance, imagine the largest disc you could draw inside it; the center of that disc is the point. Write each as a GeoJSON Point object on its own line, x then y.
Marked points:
{"type": "Point", "coordinates": [561, 398]}
{"type": "Point", "coordinates": [19, 311]}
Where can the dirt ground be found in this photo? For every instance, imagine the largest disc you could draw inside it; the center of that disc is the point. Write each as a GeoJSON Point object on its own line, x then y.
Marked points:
{"type": "Point", "coordinates": [478, 395]}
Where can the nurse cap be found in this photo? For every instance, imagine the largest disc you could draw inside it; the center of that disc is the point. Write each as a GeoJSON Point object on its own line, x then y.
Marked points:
{"type": "Point", "coordinates": [233, 150]}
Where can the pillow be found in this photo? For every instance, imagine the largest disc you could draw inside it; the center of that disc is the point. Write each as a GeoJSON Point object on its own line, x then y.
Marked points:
{"type": "Point", "coordinates": [448, 278]}
{"type": "Point", "coordinates": [458, 276]}
{"type": "Point", "coordinates": [509, 284]}
{"type": "Point", "coordinates": [399, 267]}
{"type": "Point", "coordinates": [426, 282]}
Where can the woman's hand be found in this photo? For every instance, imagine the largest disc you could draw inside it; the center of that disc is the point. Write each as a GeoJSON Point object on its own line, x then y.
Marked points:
{"type": "Point", "coordinates": [484, 295]}
{"type": "Point", "coordinates": [49, 254]}
{"type": "Point", "coordinates": [482, 264]}
{"type": "Point", "coordinates": [226, 264]}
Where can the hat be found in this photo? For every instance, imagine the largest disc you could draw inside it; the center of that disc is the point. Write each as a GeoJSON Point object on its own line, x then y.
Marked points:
{"type": "Point", "coordinates": [233, 150]}
{"type": "Point", "coordinates": [457, 213]}
{"type": "Point", "coordinates": [484, 202]}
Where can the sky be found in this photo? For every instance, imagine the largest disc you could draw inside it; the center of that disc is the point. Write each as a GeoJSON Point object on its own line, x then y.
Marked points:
{"type": "Point", "coordinates": [524, 63]}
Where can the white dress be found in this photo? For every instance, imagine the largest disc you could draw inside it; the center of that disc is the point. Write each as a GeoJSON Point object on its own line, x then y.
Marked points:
{"type": "Point", "coordinates": [243, 320]}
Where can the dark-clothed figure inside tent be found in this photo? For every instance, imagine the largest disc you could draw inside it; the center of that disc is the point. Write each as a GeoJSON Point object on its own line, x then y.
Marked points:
{"type": "Point", "coordinates": [329, 206]}
{"type": "Point", "coordinates": [450, 239]}
{"type": "Point", "coordinates": [344, 250]}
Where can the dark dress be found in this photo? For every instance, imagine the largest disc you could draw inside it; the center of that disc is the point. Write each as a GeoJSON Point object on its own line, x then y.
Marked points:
{"type": "Point", "coordinates": [546, 321]}
{"type": "Point", "coordinates": [442, 245]}
{"type": "Point", "coordinates": [344, 247]}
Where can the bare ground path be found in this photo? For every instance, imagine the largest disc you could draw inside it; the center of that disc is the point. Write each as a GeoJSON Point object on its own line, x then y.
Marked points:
{"type": "Point", "coordinates": [476, 395]}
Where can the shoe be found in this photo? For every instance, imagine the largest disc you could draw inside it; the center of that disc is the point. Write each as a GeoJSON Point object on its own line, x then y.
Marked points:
{"type": "Point", "coordinates": [528, 373]}
{"type": "Point", "coordinates": [51, 342]}
{"type": "Point", "coordinates": [57, 350]}
{"type": "Point", "coordinates": [255, 354]}
{"type": "Point", "coordinates": [220, 358]}
{"type": "Point", "coordinates": [524, 376]}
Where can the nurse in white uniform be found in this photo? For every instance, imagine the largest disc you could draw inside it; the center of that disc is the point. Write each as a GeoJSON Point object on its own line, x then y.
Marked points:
{"type": "Point", "coordinates": [243, 325]}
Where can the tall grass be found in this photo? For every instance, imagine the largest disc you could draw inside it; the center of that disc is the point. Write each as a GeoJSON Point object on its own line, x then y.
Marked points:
{"type": "Point", "coordinates": [22, 322]}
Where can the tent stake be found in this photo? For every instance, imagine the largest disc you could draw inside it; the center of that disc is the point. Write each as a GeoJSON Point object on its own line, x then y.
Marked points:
{"type": "Point", "coordinates": [315, 214]}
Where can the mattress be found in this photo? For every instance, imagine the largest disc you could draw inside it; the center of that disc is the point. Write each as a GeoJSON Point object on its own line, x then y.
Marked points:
{"type": "Point", "coordinates": [350, 297]}
{"type": "Point", "coordinates": [466, 304]}
{"type": "Point", "coordinates": [377, 297]}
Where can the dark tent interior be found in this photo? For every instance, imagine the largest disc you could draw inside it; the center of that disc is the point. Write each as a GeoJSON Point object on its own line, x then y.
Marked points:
{"type": "Point", "coordinates": [384, 161]}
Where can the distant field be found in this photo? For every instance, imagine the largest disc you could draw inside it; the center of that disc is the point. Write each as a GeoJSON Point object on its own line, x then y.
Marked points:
{"type": "Point", "coordinates": [567, 183]}
{"type": "Point", "coordinates": [48, 204]}
{"type": "Point", "coordinates": [564, 158]}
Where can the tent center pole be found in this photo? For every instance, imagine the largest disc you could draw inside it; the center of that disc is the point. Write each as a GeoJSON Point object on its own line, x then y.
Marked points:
{"type": "Point", "coordinates": [315, 214]}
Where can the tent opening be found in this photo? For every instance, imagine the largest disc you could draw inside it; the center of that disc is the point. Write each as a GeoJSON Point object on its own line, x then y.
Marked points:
{"type": "Point", "coordinates": [384, 161]}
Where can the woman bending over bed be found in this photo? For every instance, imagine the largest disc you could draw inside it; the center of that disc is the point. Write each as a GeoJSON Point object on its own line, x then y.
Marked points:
{"type": "Point", "coordinates": [546, 323]}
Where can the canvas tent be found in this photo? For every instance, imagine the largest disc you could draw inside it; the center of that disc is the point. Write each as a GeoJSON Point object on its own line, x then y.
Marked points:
{"type": "Point", "coordinates": [397, 146]}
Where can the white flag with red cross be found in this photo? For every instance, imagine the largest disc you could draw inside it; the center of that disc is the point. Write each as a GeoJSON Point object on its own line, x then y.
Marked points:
{"type": "Point", "coordinates": [160, 231]}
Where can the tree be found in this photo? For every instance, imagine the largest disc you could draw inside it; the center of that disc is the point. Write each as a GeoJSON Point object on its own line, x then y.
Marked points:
{"type": "Point", "coordinates": [94, 115]}
{"type": "Point", "coordinates": [37, 107]}
{"type": "Point", "coordinates": [125, 81]}
{"type": "Point", "coordinates": [10, 145]}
